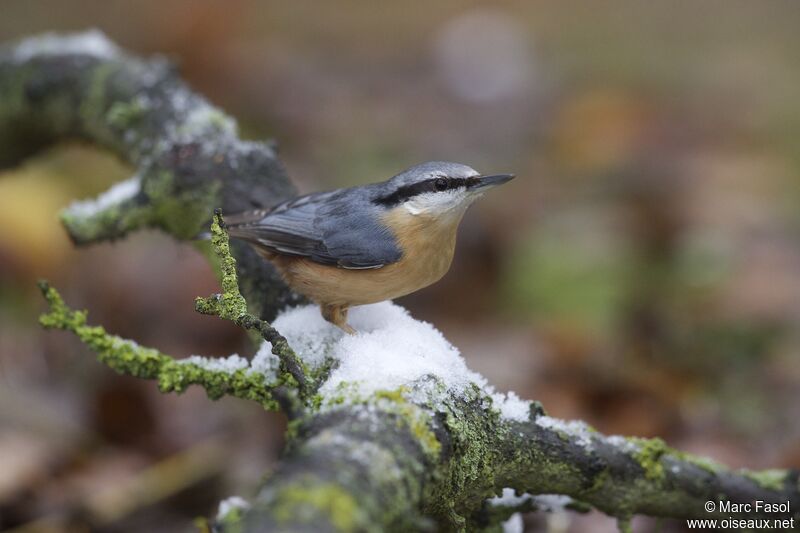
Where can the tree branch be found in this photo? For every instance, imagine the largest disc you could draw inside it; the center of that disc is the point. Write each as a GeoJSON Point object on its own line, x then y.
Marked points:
{"type": "Point", "coordinates": [231, 305]}
{"type": "Point", "coordinates": [127, 357]}
{"type": "Point", "coordinates": [187, 155]}
{"type": "Point", "coordinates": [626, 476]}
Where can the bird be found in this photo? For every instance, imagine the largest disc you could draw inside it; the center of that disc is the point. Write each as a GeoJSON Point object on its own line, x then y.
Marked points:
{"type": "Point", "coordinates": [365, 244]}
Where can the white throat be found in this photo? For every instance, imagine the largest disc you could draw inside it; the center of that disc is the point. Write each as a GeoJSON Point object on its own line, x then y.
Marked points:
{"type": "Point", "coordinates": [440, 204]}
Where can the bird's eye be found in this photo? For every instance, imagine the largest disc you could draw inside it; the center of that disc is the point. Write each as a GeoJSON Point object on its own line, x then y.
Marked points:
{"type": "Point", "coordinates": [440, 184]}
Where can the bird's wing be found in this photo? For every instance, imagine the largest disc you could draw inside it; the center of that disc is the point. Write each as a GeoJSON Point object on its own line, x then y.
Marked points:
{"type": "Point", "coordinates": [322, 227]}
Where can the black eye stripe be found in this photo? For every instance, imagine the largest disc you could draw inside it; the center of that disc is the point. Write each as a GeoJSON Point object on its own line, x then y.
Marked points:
{"type": "Point", "coordinates": [409, 191]}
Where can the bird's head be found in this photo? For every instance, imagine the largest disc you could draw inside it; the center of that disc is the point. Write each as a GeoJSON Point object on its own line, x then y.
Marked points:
{"type": "Point", "coordinates": [438, 188]}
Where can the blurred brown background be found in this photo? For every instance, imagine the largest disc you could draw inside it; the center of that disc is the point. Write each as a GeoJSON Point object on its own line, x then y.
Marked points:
{"type": "Point", "coordinates": [642, 273]}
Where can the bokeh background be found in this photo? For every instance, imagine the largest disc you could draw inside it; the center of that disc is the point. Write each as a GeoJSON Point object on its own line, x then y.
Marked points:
{"type": "Point", "coordinates": [642, 272]}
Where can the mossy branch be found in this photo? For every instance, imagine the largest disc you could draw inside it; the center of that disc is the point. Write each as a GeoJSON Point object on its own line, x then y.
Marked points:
{"type": "Point", "coordinates": [626, 476]}
{"type": "Point", "coordinates": [231, 305]}
{"type": "Point", "coordinates": [186, 154]}
{"type": "Point", "coordinates": [127, 357]}
{"type": "Point", "coordinates": [293, 389]}
{"type": "Point", "coordinates": [119, 211]}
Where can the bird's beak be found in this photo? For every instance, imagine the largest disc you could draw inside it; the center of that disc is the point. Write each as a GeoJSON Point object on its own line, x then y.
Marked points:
{"type": "Point", "coordinates": [483, 182]}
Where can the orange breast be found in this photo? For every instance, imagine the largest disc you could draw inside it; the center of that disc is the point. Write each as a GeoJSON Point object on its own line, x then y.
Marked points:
{"type": "Point", "coordinates": [428, 245]}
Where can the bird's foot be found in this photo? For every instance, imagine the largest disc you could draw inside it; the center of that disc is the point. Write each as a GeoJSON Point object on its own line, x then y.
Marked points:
{"type": "Point", "coordinates": [337, 315]}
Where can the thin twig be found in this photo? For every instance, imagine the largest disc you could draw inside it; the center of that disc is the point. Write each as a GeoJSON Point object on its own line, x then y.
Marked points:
{"type": "Point", "coordinates": [231, 305]}
{"type": "Point", "coordinates": [127, 357]}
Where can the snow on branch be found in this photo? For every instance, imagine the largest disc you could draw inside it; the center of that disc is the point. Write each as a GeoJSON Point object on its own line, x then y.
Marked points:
{"type": "Point", "coordinates": [396, 404]}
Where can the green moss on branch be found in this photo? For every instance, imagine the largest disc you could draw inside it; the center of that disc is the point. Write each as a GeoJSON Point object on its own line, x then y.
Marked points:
{"type": "Point", "coordinates": [231, 305]}
{"type": "Point", "coordinates": [127, 357]}
{"type": "Point", "coordinates": [292, 389]}
{"type": "Point", "coordinates": [112, 222]}
{"type": "Point", "coordinates": [649, 456]}
{"type": "Point", "coordinates": [304, 503]}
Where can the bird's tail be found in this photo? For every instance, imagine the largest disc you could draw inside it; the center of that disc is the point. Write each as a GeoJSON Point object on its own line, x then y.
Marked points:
{"type": "Point", "coordinates": [231, 221]}
{"type": "Point", "coordinates": [236, 224]}
{"type": "Point", "coordinates": [245, 218]}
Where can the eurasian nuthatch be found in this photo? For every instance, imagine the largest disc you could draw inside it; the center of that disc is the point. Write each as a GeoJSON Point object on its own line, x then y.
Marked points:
{"type": "Point", "coordinates": [370, 243]}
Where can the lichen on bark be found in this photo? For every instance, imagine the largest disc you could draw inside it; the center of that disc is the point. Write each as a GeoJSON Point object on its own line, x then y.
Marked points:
{"type": "Point", "coordinates": [127, 357]}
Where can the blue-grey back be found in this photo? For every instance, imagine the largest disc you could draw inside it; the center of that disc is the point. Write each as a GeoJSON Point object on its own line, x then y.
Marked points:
{"type": "Point", "coordinates": [342, 227]}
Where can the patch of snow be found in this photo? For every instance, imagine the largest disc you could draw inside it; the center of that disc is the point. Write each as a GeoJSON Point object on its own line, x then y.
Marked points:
{"type": "Point", "coordinates": [405, 350]}
{"type": "Point", "coordinates": [92, 42]}
{"type": "Point", "coordinates": [390, 349]}
{"type": "Point", "coordinates": [181, 101]}
{"type": "Point", "coordinates": [209, 117]}
{"type": "Point", "coordinates": [574, 428]}
{"type": "Point", "coordinates": [118, 193]}
{"type": "Point", "coordinates": [511, 406]}
{"type": "Point", "coordinates": [622, 443]}
{"type": "Point", "coordinates": [509, 498]}
{"type": "Point", "coordinates": [514, 524]}
{"type": "Point", "coordinates": [229, 364]}
{"type": "Point", "coordinates": [552, 502]}
{"type": "Point", "coordinates": [545, 502]}
{"type": "Point", "coordinates": [427, 391]}
{"type": "Point", "coordinates": [265, 362]}
{"type": "Point", "coordinates": [119, 342]}
{"type": "Point", "coordinates": [309, 335]}
{"type": "Point", "coordinates": [229, 504]}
